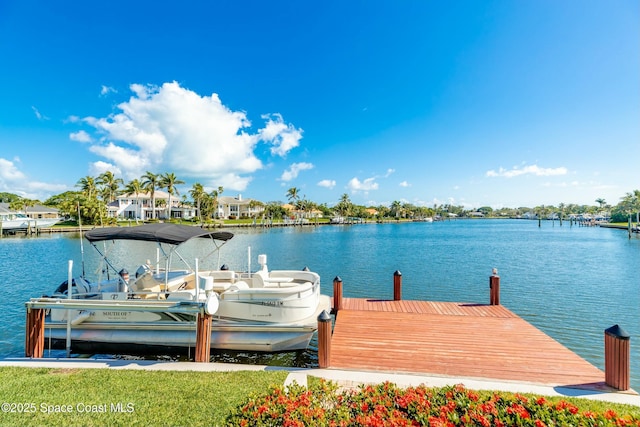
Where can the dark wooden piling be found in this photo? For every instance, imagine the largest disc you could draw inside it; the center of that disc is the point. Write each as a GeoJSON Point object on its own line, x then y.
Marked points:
{"type": "Point", "coordinates": [494, 288]}
{"type": "Point", "coordinates": [34, 334]}
{"type": "Point", "coordinates": [616, 358]}
{"type": "Point", "coordinates": [397, 286]}
{"type": "Point", "coordinates": [324, 340]}
{"type": "Point", "coordinates": [203, 338]}
{"type": "Point", "coordinates": [337, 294]}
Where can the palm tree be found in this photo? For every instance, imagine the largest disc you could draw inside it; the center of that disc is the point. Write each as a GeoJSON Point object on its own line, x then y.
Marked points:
{"type": "Point", "coordinates": [215, 194]}
{"type": "Point", "coordinates": [254, 204]}
{"type": "Point", "coordinates": [111, 185]}
{"type": "Point", "coordinates": [601, 202]}
{"type": "Point", "coordinates": [344, 206]}
{"type": "Point", "coordinates": [305, 206]}
{"type": "Point", "coordinates": [169, 181]}
{"type": "Point", "coordinates": [395, 209]}
{"type": "Point", "coordinates": [22, 204]}
{"type": "Point", "coordinates": [134, 187]}
{"type": "Point", "coordinates": [292, 195]}
{"type": "Point", "coordinates": [197, 193]}
{"type": "Point", "coordinates": [151, 181]}
{"type": "Point", "coordinates": [88, 186]}
{"type": "Point", "coordinates": [631, 203]}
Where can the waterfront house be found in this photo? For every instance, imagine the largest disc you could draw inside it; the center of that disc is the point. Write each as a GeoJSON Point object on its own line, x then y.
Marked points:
{"type": "Point", "coordinates": [34, 212]}
{"type": "Point", "coordinates": [132, 206]}
{"type": "Point", "coordinates": [302, 214]}
{"type": "Point", "coordinates": [234, 207]}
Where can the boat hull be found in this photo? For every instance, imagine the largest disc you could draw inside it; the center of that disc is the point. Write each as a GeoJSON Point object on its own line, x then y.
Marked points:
{"type": "Point", "coordinates": [26, 223]}
{"type": "Point", "coordinates": [180, 336]}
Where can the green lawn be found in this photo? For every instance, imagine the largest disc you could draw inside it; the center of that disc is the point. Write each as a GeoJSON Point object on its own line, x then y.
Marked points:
{"type": "Point", "coordinates": [99, 397]}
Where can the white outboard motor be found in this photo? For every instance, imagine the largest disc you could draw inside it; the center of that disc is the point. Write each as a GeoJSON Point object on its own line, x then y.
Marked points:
{"type": "Point", "coordinates": [206, 283]}
{"type": "Point", "coordinates": [262, 260]}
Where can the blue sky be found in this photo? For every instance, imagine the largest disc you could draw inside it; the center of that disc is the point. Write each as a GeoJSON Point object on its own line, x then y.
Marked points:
{"type": "Point", "coordinates": [492, 103]}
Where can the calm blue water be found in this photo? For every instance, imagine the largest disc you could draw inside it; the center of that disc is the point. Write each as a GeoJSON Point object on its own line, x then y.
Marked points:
{"type": "Point", "coordinates": [571, 282]}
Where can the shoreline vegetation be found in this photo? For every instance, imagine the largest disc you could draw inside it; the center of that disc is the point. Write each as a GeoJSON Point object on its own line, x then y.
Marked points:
{"type": "Point", "coordinates": [98, 202]}
{"type": "Point", "coordinates": [72, 226]}
{"type": "Point", "coordinates": [69, 397]}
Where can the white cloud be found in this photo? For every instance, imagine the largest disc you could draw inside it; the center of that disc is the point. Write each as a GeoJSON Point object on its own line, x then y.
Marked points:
{"type": "Point", "coordinates": [39, 115]}
{"type": "Point", "coordinates": [13, 180]}
{"type": "Point", "coordinates": [106, 90]}
{"type": "Point", "coordinates": [356, 185]}
{"type": "Point", "coordinates": [99, 167]}
{"type": "Point", "coordinates": [527, 170]}
{"type": "Point", "coordinates": [123, 156]}
{"type": "Point", "coordinates": [9, 172]}
{"type": "Point", "coordinates": [327, 183]}
{"type": "Point", "coordinates": [282, 137]}
{"type": "Point", "coordinates": [80, 136]}
{"type": "Point", "coordinates": [173, 129]}
{"type": "Point", "coordinates": [294, 170]}
{"type": "Point", "coordinates": [405, 184]}
{"type": "Point", "coordinates": [389, 173]}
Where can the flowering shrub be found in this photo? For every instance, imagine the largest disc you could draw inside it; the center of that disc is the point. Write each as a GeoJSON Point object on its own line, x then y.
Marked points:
{"type": "Point", "coordinates": [388, 405]}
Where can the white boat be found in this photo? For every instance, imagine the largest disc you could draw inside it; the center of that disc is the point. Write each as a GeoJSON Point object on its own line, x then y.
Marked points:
{"type": "Point", "coordinates": [17, 221]}
{"type": "Point", "coordinates": [337, 220]}
{"type": "Point", "coordinates": [155, 310]}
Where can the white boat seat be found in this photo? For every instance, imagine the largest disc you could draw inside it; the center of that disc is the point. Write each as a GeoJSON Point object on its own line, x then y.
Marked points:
{"type": "Point", "coordinates": [221, 287]}
{"type": "Point", "coordinates": [223, 275]}
{"type": "Point", "coordinates": [147, 286]}
{"type": "Point", "coordinates": [181, 296]}
{"type": "Point", "coordinates": [257, 281]}
{"type": "Point", "coordinates": [240, 285]}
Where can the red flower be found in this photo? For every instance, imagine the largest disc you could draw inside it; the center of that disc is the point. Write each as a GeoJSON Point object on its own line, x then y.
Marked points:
{"type": "Point", "coordinates": [518, 410]}
{"type": "Point", "coordinates": [521, 398]}
{"type": "Point", "coordinates": [610, 414]}
{"type": "Point", "coordinates": [489, 408]}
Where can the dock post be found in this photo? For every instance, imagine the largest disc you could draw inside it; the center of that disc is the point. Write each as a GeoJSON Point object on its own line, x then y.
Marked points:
{"type": "Point", "coordinates": [337, 294]}
{"type": "Point", "coordinates": [494, 288]}
{"type": "Point", "coordinates": [616, 358]}
{"type": "Point", "coordinates": [397, 286]}
{"type": "Point", "coordinates": [34, 333]}
{"type": "Point", "coordinates": [324, 340]}
{"type": "Point", "coordinates": [203, 337]}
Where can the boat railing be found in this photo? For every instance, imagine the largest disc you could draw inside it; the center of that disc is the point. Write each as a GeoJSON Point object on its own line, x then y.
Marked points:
{"type": "Point", "coordinates": [175, 306]}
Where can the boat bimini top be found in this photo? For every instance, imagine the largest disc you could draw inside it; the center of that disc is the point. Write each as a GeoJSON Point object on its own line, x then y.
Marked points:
{"type": "Point", "coordinates": [159, 233]}
{"type": "Point", "coordinates": [173, 234]}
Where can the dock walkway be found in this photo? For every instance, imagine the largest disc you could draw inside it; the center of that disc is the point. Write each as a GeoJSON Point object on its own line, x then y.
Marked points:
{"type": "Point", "coordinates": [453, 339]}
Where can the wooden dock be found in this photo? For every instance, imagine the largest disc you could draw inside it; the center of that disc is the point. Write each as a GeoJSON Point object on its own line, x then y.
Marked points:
{"type": "Point", "coordinates": [453, 339]}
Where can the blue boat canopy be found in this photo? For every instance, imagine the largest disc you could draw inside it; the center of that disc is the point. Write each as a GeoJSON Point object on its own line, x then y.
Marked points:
{"type": "Point", "coordinates": [173, 234]}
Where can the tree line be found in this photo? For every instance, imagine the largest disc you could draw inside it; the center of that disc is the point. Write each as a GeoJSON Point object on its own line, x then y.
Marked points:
{"type": "Point", "coordinates": [90, 202]}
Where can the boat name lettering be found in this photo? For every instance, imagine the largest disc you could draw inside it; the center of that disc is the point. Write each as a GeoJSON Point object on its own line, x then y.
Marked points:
{"type": "Point", "coordinates": [273, 303]}
{"type": "Point", "coordinates": [119, 314]}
